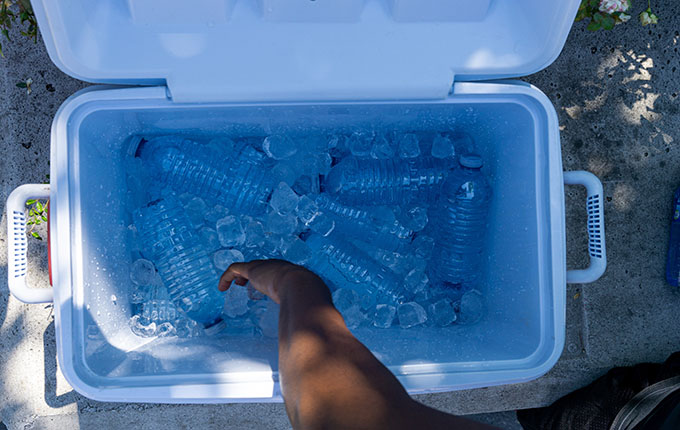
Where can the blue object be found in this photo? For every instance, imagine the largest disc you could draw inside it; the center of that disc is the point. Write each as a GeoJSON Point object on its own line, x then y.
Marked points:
{"type": "Point", "coordinates": [346, 266]}
{"type": "Point", "coordinates": [461, 223]}
{"type": "Point", "coordinates": [673, 262]}
{"type": "Point", "coordinates": [387, 182]}
{"type": "Point", "coordinates": [238, 183]}
{"type": "Point", "coordinates": [383, 232]}
{"type": "Point", "coordinates": [181, 260]}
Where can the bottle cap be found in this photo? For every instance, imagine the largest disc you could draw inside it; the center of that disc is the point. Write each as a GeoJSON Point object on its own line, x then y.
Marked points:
{"type": "Point", "coordinates": [471, 161]}
{"type": "Point", "coordinates": [216, 327]}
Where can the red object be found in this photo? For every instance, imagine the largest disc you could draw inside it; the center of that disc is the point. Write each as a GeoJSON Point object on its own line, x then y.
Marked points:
{"type": "Point", "coordinates": [49, 254]}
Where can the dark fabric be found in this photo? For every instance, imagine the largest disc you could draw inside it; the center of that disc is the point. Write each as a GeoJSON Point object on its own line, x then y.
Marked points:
{"type": "Point", "coordinates": [595, 406]}
{"type": "Point", "coordinates": [665, 417]}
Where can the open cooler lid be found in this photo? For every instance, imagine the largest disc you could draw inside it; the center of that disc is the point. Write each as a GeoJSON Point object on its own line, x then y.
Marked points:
{"type": "Point", "coordinates": [296, 50]}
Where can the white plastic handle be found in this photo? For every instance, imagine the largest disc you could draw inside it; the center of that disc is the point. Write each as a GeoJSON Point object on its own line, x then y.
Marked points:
{"type": "Point", "coordinates": [18, 244]}
{"type": "Point", "coordinates": [596, 242]}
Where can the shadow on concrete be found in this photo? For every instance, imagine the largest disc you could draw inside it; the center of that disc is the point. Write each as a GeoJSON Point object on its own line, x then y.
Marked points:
{"type": "Point", "coordinates": [50, 352]}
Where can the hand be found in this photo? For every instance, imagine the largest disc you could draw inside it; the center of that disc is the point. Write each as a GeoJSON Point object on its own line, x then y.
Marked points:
{"type": "Point", "coordinates": [264, 275]}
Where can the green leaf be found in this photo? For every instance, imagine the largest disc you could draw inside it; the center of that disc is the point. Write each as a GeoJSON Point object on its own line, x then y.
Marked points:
{"type": "Point", "coordinates": [30, 202]}
{"type": "Point", "coordinates": [38, 221]}
{"type": "Point", "coordinates": [31, 212]}
{"type": "Point", "coordinates": [599, 18]}
{"type": "Point", "coordinates": [39, 207]}
{"type": "Point", "coordinates": [30, 222]}
{"type": "Point", "coordinates": [608, 22]}
{"type": "Point", "coordinates": [44, 218]}
{"type": "Point", "coordinates": [36, 235]}
{"type": "Point", "coordinates": [593, 26]}
{"type": "Point", "coordinates": [594, 3]}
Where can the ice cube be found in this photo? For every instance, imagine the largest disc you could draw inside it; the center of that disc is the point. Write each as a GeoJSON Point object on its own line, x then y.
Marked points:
{"type": "Point", "coordinates": [138, 293]}
{"type": "Point", "coordinates": [283, 199]}
{"type": "Point", "coordinates": [142, 272]}
{"type": "Point", "coordinates": [307, 184]}
{"type": "Point", "coordinates": [338, 146]}
{"type": "Point", "coordinates": [367, 301]}
{"type": "Point", "coordinates": [210, 239]}
{"type": "Point", "coordinates": [306, 209]}
{"type": "Point", "coordinates": [186, 328]}
{"type": "Point", "coordinates": [279, 147]}
{"type": "Point", "coordinates": [442, 312]}
{"type": "Point", "coordinates": [423, 246]}
{"type": "Point", "coordinates": [285, 171]}
{"type": "Point", "coordinates": [141, 329]}
{"type": "Point", "coordinates": [463, 143]}
{"type": "Point", "coordinates": [226, 257]}
{"type": "Point", "coordinates": [384, 316]}
{"type": "Point", "coordinates": [184, 198]}
{"type": "Point", "coordinates": [272, 245]}
{"type": "Point", "coordinates": [196, 210]}
{"type": "Point", "coordinates": [255, 236]}
{"type": "Point", "coordinates": [215, 214]}
{"type": "Point", "coordinates": [408, 146]}
{"type": "Point", "coordinates": [361, 143]}
{"type": "Point", "coordinates": [230, 231]}
{"type": "Point", "coordinates": [471, 308]}
{"type": "Point", "coordinates": [165, 329]}
{"type": "Point", "coordinates": [323, 163]}
{"type": "Point", "coordinates": [223, 146]}
{"type": "Point", "coordinates": [322, 224]}
{"type": "Point", "coordinates": [269, 320]}
{"type": "Point", "coordinates": [416, 280]}
{"type": "Point", "coordinates": [281, 225]}
{"type": "Point", "coordinates": [345, 298]}
{"type": "Point", "coordinates": [382, 148]}
{"type": "Point", "coordinates": [411, 314]}
{"type": "Point", "coordinates": [236, 301]}
{"type": "Point", "coordinates": [296, 251]}
{"type": "Point", "coordinates": [414, 218]}
{"type": "Point", "coordinates": [442, 147]}
{"type": "Point", "coordinates": [353, 317]}
{"type": "Point", "coordinates": [242, 326]}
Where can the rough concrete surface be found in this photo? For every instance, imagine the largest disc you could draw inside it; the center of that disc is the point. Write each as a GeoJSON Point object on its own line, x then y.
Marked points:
{"type": "Point", "coordinates": [616, 94]}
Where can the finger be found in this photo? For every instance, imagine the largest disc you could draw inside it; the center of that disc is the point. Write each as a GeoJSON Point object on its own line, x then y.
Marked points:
{"type": "Point", "coordinates": [236, 271]}
{"type": "Point", "coordinates": [225, 280]}
{"type": "Point", "coordinates": [241, 281]}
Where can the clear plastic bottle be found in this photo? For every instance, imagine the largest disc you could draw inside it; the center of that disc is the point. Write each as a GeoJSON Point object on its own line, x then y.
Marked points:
{"type": "Point", "coordinates": [158, 306]}
{"type": "Point", "coordinates": [379, 229]}
{"type": "Point", "coordinates": [346, 266]}
{"type": "Point", "coordinates": [387, 182]}
{"type": "Point", "coordinates": [181, 260]}
{"type": "Point", "coordinates": [238, 182]}
{"type": "Point", "coordinates": [461, 224]}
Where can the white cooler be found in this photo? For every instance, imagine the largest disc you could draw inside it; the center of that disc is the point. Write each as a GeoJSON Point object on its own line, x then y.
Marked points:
{"type": "Point", "coordinates": [252, 68]}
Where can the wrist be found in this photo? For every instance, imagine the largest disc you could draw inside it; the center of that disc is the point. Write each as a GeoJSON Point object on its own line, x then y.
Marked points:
{"type": "Point", "coordinates": [299, 280]}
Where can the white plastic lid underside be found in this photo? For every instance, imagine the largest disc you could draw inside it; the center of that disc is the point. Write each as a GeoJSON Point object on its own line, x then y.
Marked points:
{"type": "Point", "coordinates": [249, 50]}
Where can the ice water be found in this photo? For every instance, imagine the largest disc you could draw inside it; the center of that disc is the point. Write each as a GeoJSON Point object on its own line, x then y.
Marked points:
{"type": "Point", "coordinates": [380, 216]}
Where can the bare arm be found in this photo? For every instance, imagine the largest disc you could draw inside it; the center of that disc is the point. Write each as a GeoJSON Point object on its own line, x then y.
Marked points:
{"type": "Point", "coordinates": [329, 379]}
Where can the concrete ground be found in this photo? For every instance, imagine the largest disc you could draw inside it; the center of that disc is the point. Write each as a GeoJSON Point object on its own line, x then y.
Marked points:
{"type": "Point", "coordinates": [616, 94]}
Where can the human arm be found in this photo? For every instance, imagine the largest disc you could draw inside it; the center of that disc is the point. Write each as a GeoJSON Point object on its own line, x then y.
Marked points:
{"type": "Point", "coordinates": [328, 378]}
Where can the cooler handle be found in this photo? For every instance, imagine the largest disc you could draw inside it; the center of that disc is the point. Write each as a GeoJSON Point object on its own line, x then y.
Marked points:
{"type": "Point", "coordinates": [596, 239]}
{"type": "Point", "coordinates": [17, 261]}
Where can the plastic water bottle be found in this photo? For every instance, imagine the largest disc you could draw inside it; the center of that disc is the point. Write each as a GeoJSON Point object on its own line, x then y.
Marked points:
{"type": "Point", "coordinates": [181, 260]}
{"type": "Point", "coordinates": [346, 266]}
{"type": "Point", "coordinates": [461, 224]}
{"type": "Point", "coordinates": [379, 229]}
{"type": "Point", "coordinates": [239, 182]}
{"type": "Point", "coordinates": [385, 182]}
